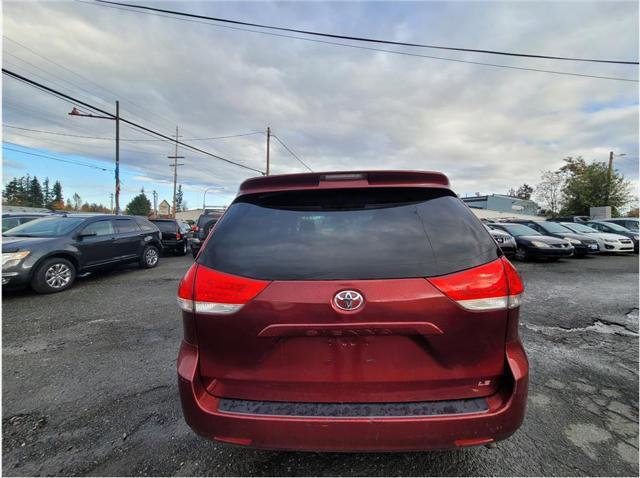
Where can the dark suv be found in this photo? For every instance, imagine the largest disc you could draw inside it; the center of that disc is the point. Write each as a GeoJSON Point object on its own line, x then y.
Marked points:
{"type": "Point", "coordinates": [48, 253]}
{"type": "Point", "coordinates": [364, 311]}
{"type": "Point", "coordinates": [203, 227]}
{"type": "Point", "coordinates": [176, 235]}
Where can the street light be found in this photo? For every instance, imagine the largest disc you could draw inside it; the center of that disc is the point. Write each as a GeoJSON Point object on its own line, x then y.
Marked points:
{"type": "Point", "coordinates": [205, 196]}
{"type": "Point", "coordinates": [609, 171]}
{"type": "Point", "coordinates": [116, 118]}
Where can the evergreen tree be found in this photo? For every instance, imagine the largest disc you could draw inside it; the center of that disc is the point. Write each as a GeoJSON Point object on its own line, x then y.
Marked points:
{"type": "Point", "coordinates": [56, 193]}
{"type": "Point", "coordinates": [46, 193]}
{"type": "Point", "coordinates": [11, 191]}
{"type": "Point", "coordinates": [35, 193]}
{"type": "Point", "coordinates": [57, 201]}
{"type": "Point", "coordinates": [179, 198]}
{"type": "Point", "coordinates": [139, 205]}
{"type": "Point", "coordinates": [25, 190]}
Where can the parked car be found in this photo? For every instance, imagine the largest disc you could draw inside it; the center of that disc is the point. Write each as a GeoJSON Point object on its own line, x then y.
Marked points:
{"type": "Point", "coordinates": [176, 235]}
{"type": "Point", "coordinates": [533, 245]}
{"type": "Point", "coordinates": [505, 241]}
{"type": "Point", "coordinates": [11, 220]}
{"type": "Point", "coordinates": [582, 243]}
{"type": "Point", "coordinates": [630, 223]}
{"type": "Point", "coordinates": [48, 253]}
{"type": "Point", "coordinates": [614, 228]}
{"type": "Point", "coordinates": [203, 227]}
{"type": "Point", "coordinates": [570, 219]}
{"type": "Point", "coordinates": [360, 311]}
{"type": "Point", "coordinates": [608, 242]}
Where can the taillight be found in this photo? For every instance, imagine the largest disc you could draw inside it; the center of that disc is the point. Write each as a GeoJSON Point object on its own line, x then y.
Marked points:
{"type": "Point", "coordinates": [516, 286]}
{"type": "Point", "coordinates": [213, 292]}
{"type": "Point", "coordinates": [178, 236]}
{"type": "Point", "coordinates": [492, 286]}
{"type": "Point", "coordinates": [195, 228]}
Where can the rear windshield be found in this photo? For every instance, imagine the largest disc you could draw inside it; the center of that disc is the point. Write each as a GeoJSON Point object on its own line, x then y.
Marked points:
{"type": "Point", "coordinates": [166, 226]}
{"type": "Point", "coordinates": [207, 218]}
{"type": "Point", "coordinates": [348, 234]}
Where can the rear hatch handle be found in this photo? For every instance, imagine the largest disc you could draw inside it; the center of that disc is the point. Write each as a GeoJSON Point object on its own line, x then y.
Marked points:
{"type": "Point", "coordinates": [351, 329]}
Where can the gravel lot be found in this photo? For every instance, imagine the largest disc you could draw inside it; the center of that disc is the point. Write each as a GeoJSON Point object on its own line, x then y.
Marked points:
{"type": "Point", "coordinates": [89, 384]}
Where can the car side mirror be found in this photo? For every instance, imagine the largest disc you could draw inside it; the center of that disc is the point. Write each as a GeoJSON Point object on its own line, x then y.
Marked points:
{"type": "Point", "coordinates": [87, 234]}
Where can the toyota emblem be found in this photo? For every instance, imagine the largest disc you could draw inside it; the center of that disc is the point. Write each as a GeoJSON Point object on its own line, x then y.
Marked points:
{"type": "Point", "coordinates": [348, 300]}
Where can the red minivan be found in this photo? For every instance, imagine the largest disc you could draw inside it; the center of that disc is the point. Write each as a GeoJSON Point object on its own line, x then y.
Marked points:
{"type": "Point", "coordinates": [360, 311]}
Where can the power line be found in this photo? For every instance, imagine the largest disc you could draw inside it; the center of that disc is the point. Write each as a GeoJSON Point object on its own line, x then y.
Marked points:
{"type": "Point", "coordinates": [291, 152]}
{"type": "Point", "coordinates": [121, 139]}
{"type": "Point", "coordinates": [86, 79]}
{"type": "Point", "coordinates": [144, 129]}
{"type": "Point", "coordinates": [365, 39]}
{"type": "Point", "coordinates": [359, 47]}
{"type": "Point", "coordinates": [114, 94]}
{"type": "Point", "coordinates": [55, 159]}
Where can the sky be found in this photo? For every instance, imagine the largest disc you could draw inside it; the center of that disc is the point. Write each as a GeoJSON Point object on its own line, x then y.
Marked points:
{"type": "Point", "coordinates": [337, 108]}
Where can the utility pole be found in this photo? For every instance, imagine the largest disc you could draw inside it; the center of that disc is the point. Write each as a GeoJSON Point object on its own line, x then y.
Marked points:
{"type": "Point", "coordinates": [117, 157]}
{"type": "Point", "coordinates": [268, 141]}
{"type": "Point", "coordinates": [155, 202]}
{"type": "Point", "coordinates": [175, 165]}
{"type": "Point", "coordinates": [111, 197]}
{"type": "Point", "coordinates": [116, 118]}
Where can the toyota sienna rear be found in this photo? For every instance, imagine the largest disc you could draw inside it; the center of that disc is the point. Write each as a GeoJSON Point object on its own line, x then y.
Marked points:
{"type": "Point", "coordinates": [365, 311]}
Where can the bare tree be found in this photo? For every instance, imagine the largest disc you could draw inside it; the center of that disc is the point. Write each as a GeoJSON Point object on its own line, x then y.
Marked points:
{"type": "Point", "coordinates": [549, 193]}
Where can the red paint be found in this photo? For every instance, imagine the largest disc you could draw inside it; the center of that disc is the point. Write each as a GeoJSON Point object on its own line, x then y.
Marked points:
{"type": "Point", "coordinates": [423, 179]}
{"type": "Point", "coordinates": [409, 341]}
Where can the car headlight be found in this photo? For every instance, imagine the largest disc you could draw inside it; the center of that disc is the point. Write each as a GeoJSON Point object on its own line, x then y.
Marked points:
{"type": "Point", "coordinates": [10, 259]}
{"type": "Point", "coordinates": [611, 241]}
{"type": "Point", "coordinates": [539, 244]}
{"type": "Point", "coordinates": [572, 240]}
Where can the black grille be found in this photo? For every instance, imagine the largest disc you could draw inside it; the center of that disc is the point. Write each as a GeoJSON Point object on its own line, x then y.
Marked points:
{"type": "Point", "coordinates": [406, 409]}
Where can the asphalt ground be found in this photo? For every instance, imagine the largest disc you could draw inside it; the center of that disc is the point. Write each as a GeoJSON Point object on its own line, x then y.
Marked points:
{"type": "Point", "coordinates": [89, 384]}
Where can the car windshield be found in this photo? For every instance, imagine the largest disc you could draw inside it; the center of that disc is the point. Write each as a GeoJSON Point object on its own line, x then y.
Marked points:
{"type": "Point", "coordinates": [46, 227]}
{"type": "Point", "coordinates": [615, 227]}
{"type": "Point", "coordinates": [580, 228]}
{"type": "Point", "coordinates": [631, 225]}
{"type": "Point", "coordinates": [554, 227]}
{"type": "Point", "coordinates": [519, 230]}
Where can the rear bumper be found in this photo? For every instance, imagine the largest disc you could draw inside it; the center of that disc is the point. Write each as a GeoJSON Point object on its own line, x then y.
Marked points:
{"type": "Point", "coordinates": [504, 414]}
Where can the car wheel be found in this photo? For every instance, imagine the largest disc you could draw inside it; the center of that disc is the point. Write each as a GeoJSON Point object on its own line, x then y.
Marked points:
{"type": "Point", "coordinates": [150, 257]}
{"type": "Point", "coordinates": [521, 254]}
{"type": "Point", "coordinates": [53, 275]}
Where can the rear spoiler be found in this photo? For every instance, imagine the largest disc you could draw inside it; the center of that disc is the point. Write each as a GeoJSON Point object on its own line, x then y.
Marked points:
{"type": "Point", "coordinates": [344, 179]}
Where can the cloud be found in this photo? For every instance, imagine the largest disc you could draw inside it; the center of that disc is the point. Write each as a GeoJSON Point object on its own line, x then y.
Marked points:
{"type": "Point", "coordinates": [338, 108]}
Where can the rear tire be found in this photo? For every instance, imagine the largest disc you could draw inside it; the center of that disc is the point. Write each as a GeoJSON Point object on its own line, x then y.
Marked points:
{"type": "Point", "coordinates": [149, 257]}
{"type": "Point", "coordinates": [53, 275]}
